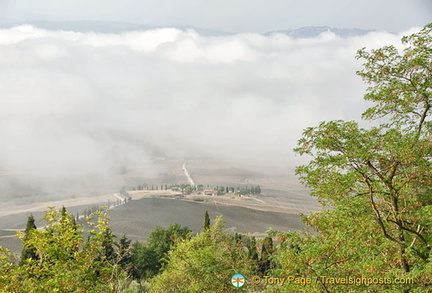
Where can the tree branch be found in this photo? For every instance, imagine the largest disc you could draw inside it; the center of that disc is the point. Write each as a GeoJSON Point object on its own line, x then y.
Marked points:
{"type": "Point", "coordinates": [378, 216]}
{"type": "Point", "coordinates": [409, 230]}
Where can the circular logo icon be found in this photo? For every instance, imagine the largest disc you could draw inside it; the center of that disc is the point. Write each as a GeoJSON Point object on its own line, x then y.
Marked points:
{"type": "Point", "coordinates": [238, 280]}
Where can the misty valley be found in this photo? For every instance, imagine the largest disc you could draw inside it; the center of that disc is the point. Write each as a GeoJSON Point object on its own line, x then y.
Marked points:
{"type": "Point", "coordinates": [251, 202]}
{"type": "Point", "coordinates": [164, 159]}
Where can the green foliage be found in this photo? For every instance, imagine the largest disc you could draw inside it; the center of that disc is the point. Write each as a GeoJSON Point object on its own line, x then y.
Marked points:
{"type": "Point", "coordinates": [187, 189]}
{"type": "Point", "coordinates": [28, 251]}
{"type": "Point", "coordinates": [108, 245]}
{"type": "Point", "coordinates": [145, 262]}
{"type": "Point", "coordinates": [343, 247]}
{"type": "Point", "coordinates": [148, 260]}
{"type": "Point", "coordinates": [204, 263]}
{"type": "Point", "coordinates": [65, 262]}
{"type": "Point", "coordinates": [376, 182]}
{"type": "Point", "coordinates": [400, 81]}
{"type": "Point", "coordinates": [133, 287]}
{"type": "Point", "coordinates": [161, 240]}
{"type": "Point", "coordinates": [266, 253]}
{"type": "Point", "coordinates": [124, 253]}
{"type": "Point", "coordinates": [206, 221]}
{"type": "Point", "coordinates": [7, 270]}
{"type": "Point", "coordinates": [249, 190]}
{"type": "Point", "coordinates": [252, 248]}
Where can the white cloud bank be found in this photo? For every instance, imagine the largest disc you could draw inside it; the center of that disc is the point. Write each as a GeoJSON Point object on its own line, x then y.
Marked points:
{"type": "Point", "coordinates": [86, 103]}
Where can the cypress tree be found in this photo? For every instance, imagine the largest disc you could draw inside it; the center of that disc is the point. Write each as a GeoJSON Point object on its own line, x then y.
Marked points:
{"type": "Point", "coordinates": [107, 245]}
{"type": "Point", "coordinates": [206, 221]}
{"type": "Point", "coordinates": [124, 254]}
{"type": "Point", "coordinates": [28, 252]}
{"type": "Point", "coordinates": [253, 252]}
{"type": "Point", "coordinates": [266, 252]}
{"type": "Point", "coordinates": [63, 211]}
{"type": "Point", "coordinates": [64, 215]}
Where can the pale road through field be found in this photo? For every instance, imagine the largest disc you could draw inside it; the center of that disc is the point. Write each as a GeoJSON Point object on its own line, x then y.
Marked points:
{"type": "Point", "coordinates": [10, 209]}
{"type": "Point", "coordinates": [187, 175]}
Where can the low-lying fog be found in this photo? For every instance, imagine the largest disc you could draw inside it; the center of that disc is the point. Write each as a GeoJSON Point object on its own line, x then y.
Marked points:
{"type": "Point", "coordinates": [87, 105]}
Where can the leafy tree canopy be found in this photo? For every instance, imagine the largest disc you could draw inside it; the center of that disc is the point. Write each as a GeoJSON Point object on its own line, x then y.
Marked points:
{"type": "Point", "coordinates": [204, 263]}
{"type": "Point", "coordinates": [376, 181]}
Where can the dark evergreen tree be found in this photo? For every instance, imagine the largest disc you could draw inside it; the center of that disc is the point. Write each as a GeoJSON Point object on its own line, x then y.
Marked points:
{"type": "Point", "coordinates": [148, 260]}
{"type": "Point", "coordinates": [107, 244]}
{"type": "Point", "coordinates": [124, 253]}
{"type": "Point", "coordinates": [252, 248]}
{"type": "Point", "coordinates": [206, 221]}
{"type": "Point", "coordinates": [28, 252]}
{"type": "Point", "coordinates": [63, 213]}
{"type": "Point", "coordinates": [266, 252]}
{"type": "Point", "coordinates": [67, 219]}
{"type": "Point", "coordinates": [239, 238]}
{"type": "Point", "coordinates": [145, 263]}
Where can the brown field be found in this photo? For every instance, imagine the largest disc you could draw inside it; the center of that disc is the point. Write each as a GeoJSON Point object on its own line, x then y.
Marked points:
{"type": "Point", "coordinates": [278, 207]}
{"type": "Point", "coordinates": [138, 218]}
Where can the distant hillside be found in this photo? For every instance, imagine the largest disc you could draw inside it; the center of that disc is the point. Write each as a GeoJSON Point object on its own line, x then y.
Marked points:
{"type": "Point", "coordinates": [107, 27]}
{"type": "Point", "coordinates": [314, 31]}
{"type": "Point", "coordinates": [112, 27]}
{"type": "Point", "coordinates": [91, 26]}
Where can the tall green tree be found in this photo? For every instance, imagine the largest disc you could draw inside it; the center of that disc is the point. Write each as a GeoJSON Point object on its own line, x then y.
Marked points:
{"type": "Point", "coordinates": [108, 252]}
{"type": "Point", "coordinates": [206, 221]}
{"type": "Point", "coordinates": [124, 253]}
{"type": "Point", "coordinates": [161, 240]}
{"type": "Point", "coordinates": [204, 263]}
{"type": "Point", "coordinates": [28, 251]}
{"type": "Point", "coordinates": [376, 181]}
{"type": "Point", "coordinates": [150, 259]}
{"type": "Point", "coordinates": [65, 261]}
{"type": "Point", "coordinates": [266, 253]}
{"type": "Point", "coordinates": [252, 247]}
{"type": "Point", "coordinates": [145, 262]}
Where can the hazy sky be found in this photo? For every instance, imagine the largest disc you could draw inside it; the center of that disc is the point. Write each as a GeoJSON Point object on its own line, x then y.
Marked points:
{"type": "Point", "coordinates": [100, 102]}
{"type": "Point", "coordinates": [230, 15]}
{"type": "Point", "coordinates": [96, 104]}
